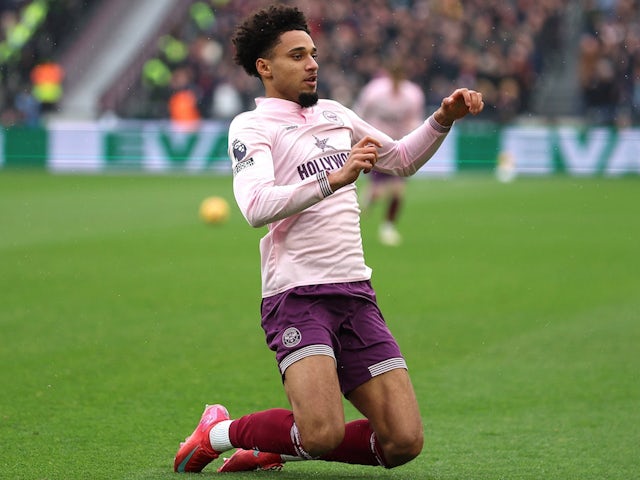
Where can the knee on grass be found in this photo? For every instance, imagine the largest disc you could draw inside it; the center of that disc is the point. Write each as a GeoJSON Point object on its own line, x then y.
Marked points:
{"type": "Point", "coordinates": [402, 448]}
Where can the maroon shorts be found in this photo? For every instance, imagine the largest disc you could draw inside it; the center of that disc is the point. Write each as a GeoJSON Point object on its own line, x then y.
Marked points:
{"type": "Point", "coordinates": [341, 320]}
{"type": "Point", "coordinates": [380, 177]}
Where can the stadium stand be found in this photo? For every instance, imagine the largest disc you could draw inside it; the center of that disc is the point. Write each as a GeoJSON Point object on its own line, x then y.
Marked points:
{"type": "Point", "coordinates": [609, 69]}
{"type": "Point", "coordinates": [496, 46]}
{"type": "Point", "coordinates": [530, 58]}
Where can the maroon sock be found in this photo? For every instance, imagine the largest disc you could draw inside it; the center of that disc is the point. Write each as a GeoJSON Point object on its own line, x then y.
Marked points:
{"type": "Point", "coordinates": [267, 431]}
{"type": "Point", "coordinates": [394, 209]}
{"type": "Point", "coordinates": [359, 446]}
{"type": "Point", "coordinates": [274, 431]}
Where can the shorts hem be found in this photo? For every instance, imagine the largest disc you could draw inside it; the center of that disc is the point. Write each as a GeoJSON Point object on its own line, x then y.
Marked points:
{"type": "Point", "coordinates": [308, 351]}
{"type": "Point", "coordinates": [387, 365]}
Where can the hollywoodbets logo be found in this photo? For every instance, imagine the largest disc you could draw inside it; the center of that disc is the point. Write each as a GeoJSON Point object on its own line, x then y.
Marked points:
{"type": "Point", "coordinates": [328, 162]}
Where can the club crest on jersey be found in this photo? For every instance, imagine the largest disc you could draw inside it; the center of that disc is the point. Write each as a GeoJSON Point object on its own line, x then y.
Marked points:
{"type": "Point", "coordinates": [333, 118]}
{"type": "Point", "coordinates": [291, 337]}
{"type": "Point", "coordinates": [322, 144]}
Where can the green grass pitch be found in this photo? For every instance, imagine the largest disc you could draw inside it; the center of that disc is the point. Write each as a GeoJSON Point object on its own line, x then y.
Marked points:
{"type": "Point", "coordinates": [517, 307]}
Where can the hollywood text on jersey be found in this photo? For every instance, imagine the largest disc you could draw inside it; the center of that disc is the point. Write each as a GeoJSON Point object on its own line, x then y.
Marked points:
{"type": "Point", "coordinates": [327, 162]}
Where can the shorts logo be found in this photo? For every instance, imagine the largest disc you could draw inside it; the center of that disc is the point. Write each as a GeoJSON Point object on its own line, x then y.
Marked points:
{"type": "Point", "coordinates": [291, 337]}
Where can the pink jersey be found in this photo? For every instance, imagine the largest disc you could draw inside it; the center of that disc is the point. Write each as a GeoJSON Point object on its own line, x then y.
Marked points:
{"type": "Point", "coordinates": [281, 154]}
{"type": "Point", "coordinates": [395, 112]}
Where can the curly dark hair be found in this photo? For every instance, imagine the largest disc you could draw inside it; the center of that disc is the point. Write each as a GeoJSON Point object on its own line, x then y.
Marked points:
{"type": "Point", "coordinates": [258, 34]}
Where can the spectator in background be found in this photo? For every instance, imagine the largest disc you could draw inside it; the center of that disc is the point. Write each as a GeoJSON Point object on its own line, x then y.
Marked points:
{"type": "Point", "coordinates": [46, 78]}
{"type": "Point", "coordinates": [226, 101]}
{"type": "Point", "coordinates": [183, 107]}
{"type": "Point", "coordinates": [395, 105]}
{"type": "Point", "coordinates": [28, 109]}
{"type": "Point", "coordinates": [183, 102]}
{"type": "Point", "coordinates": [635, 94]}
{"type": "Point", "coordinates": [599, 87]}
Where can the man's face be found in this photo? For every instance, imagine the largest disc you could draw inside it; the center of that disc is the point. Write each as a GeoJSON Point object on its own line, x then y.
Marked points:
{"type": "Point", "coordinates": [291, 72]}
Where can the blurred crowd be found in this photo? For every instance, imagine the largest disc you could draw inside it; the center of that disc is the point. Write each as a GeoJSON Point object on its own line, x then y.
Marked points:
{"type": "Point", "coordinates": [500, 47]}
{"type": "Point", "coordinates": [496, 46]}
{"type": "Point", "coordinates": [609, 72]}
{"type": "Point", "coordinates": [32, 33]}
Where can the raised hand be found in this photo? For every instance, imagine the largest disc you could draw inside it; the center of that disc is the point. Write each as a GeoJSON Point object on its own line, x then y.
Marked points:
{"type": "Point", "coordinates": [461, 102]}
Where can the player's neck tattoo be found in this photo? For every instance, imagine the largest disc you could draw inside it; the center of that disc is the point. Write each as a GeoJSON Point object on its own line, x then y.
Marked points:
{"type": "Point", "coordinates": [308, 99]}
